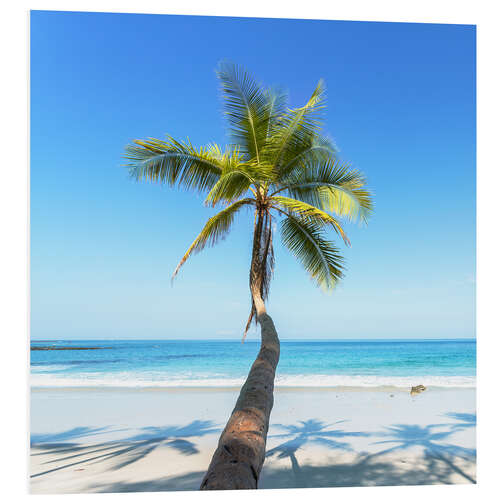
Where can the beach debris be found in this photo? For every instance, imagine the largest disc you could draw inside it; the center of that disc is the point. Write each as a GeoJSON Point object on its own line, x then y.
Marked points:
{"type": "Point", "coordinates": [417, 389]}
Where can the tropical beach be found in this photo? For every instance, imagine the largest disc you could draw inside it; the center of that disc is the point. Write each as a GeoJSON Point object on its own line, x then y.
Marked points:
{"type": "Point", "coordinates": [98, 428]}
{"type": "Point", "coordinates": [329, 338]}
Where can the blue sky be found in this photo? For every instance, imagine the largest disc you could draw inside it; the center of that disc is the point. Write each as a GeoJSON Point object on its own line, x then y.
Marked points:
{"type": "Point", "coordinates": [401, 107]}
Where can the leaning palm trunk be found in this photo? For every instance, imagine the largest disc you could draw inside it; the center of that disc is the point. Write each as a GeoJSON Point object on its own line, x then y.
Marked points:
{"type": "Point", "coordinates": [238, 459]}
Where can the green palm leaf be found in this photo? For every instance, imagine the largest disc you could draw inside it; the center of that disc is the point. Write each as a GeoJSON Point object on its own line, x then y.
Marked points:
{"type": "Point", "coordinates": [276, 106]}
{"type": "Point", "coordinates": [236, 180]}
{"type": "Point", "coordinates": [331, 186]}
{"type": "Point", "coordinates": [173, 162]}
{"type": "Point", "coordinates": [295, 130]}
{"type": "Point", "coordinates": [229, 187]}
{"type": "Point", "coordinates": [306, 211]}
{"type": "Point", "coordinates": [247, 108]}
{"type": "Point", "coordinates": [214, 230]}
{"type": "Point", "coordinates": [316, 150]}
{"type": "Point", "coordinates": [318, 255]}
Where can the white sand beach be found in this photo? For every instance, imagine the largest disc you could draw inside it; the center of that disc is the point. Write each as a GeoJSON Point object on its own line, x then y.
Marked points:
{"type": "Point", "coordinates": [118, 440]}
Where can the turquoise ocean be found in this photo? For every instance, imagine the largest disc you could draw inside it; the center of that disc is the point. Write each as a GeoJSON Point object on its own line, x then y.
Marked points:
{"type": "Point", "coordinates": [176, 363]}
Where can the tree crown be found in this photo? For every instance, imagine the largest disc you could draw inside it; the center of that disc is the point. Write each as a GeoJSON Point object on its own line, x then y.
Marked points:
{"type": "Point", "coordinates": [278, 162]}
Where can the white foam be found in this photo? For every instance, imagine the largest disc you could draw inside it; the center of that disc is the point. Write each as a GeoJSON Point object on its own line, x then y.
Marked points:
{"type": "Point", "coordinates": [128, 380]}
{"type": "Point", "coordinates": [48, 368]}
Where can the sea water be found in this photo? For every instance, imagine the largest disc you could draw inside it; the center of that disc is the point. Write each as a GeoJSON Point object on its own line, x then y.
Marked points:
{"type": "Point", "coordinates": [176, 363]}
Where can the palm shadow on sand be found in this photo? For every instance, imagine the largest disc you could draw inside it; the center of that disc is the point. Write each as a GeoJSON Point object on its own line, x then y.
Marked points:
{"type": "Point", "coordinates": [119, 453]}
{"type": "Point", "coordinates": [63, 437]}
{"type": "Point", "coordinates": [439, 462]}
{"type": "Point", "coordinates": [464, 420]}
{"type": "Point", "coordinates": [431, 441]}
{"type": "Point", "coordinates": [310, 431]}
{"type": "Point", "coordinates": [439, 457]}
{"type": "Point", "coordinates": [437, 465]}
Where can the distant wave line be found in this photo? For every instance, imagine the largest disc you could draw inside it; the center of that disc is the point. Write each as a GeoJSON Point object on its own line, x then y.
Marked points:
{"type": "Point", "coordinates": [48, 381]}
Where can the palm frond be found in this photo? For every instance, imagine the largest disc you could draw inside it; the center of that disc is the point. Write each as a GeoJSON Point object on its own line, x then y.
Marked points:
{"type": "Point", "coordinates": [314, 214]}
{"type": "Point", "coordinates": [276, 106]}
{"type": "Point", "coordinates": [246, 107]}
{"type": "Point", "coordinates": [318, 149]}
{"type": "Point", "coordinates": [295, 130]}
{"type": "Point", "coordinates": [229, 187]}
{"type": "Point", "coordinates": [333, 187]}
{"type": "Point", "coordinates": [236, 179]}
{"type": "Point", "coordinates": [173, 162]}
{"type": "Point", "coordinates": [214, 230]}
{"type": "Point", "coordinates": [318, 256]}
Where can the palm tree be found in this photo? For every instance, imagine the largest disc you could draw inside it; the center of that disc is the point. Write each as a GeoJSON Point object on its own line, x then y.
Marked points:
{"type": "Point", "coordinates": [280, 166]}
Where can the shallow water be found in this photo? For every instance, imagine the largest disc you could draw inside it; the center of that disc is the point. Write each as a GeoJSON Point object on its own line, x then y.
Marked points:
{"type": "Point", "coordinates": [161, 363]}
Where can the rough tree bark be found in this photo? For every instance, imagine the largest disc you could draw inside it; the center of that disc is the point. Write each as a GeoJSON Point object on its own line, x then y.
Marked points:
{"type": "Point", "coordinates": [240, 454]}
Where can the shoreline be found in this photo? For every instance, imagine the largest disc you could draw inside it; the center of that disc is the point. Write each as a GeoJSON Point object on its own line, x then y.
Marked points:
{"type": "Point", "coordinates": [202, 388]}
